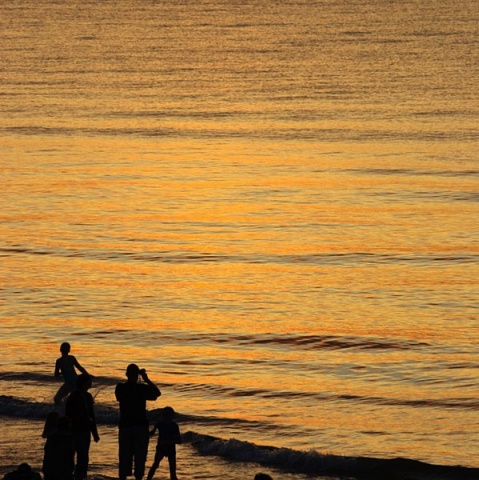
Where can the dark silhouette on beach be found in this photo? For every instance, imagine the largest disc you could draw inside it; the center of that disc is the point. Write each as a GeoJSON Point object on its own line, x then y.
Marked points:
{"type": "Point", "coordinates": [79, 408]}
{"type": "Point", "coordinates": [23, 472]}
{"type": "Point", "coordinates": [66, 366]}
{"type": "Point", "coordinates": [134, 432]}
{"type": "Point", "coordinates": [262, 476]}
{"type": "Point", "coordinates": [59, 452]}
{"type": "Point", "coordinates": [168, 437]}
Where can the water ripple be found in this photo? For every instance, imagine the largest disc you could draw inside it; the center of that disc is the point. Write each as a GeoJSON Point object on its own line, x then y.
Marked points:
{"type": "Point", "coordinates": [339, 259]}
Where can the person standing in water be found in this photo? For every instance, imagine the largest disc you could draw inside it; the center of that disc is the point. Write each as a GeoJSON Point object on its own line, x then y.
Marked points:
{"type": "Point", "coordinates": [168, 437]}
{"type": "Point", "coordinates": [66, 366]}
{"type": "Point", "coordinates": [79, 408]}
{"type": "Point", "coordinates": [134, 435]}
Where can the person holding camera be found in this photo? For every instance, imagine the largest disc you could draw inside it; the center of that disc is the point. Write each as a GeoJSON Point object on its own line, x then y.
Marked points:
{"type": "Point", "coordinates": [133, 436]}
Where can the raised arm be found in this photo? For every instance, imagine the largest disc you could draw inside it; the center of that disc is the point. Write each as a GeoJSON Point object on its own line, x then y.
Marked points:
{"type": "Point", "coordinates": [94, 427]}
{"type": "Point", "coordinates": [154, 391]}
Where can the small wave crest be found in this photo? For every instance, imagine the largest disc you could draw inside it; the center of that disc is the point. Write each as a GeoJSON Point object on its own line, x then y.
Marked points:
{"type": "Point", "coordinates": [315, 463]}
{"type": "Point", "coordinates": [284, 458]}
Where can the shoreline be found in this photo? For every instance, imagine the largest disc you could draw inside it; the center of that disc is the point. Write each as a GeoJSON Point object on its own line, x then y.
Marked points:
{"type": "Point", "coordinates": [204, 456]}
{"type": "Point", "coordinates": [366, 469]}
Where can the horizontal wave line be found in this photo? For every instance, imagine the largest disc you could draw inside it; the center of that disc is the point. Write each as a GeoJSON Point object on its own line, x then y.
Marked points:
{"type": "Point", "coordinates": [412, 172]}
{"type": "Point", "coordinates": [16, 407]}
{"type": "Point", "coordinates": [186, 257]}
{"type": "Point", "coordinates": [307, 342]}
{"type": "Point", "coordinates": [284, 134]}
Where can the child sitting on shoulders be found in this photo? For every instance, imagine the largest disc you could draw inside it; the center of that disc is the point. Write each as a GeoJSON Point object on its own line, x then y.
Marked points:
{"type": "Point", "coordinates": [66, 366]}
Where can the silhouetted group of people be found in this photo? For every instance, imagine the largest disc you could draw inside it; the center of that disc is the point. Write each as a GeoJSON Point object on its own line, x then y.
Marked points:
{"type": "Point", "coordinates": [68, 437]}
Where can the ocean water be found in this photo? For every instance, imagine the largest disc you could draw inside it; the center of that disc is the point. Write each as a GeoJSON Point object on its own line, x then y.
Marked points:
{"type": "Point", "coordinates": [271, 206]}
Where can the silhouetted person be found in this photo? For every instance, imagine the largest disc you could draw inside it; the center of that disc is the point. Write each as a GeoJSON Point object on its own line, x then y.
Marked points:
{"type": "Point", "coordinates": [23, 472]}
{"type": "Point", "coordinates": [133, 435]}
{"type": "Point", "coordinates": [262, 476]}
{"type": "Point", "coordinates": [79, 409]}
{"type": "Point", "coordinates": [59, 455]}
{"type": "Point", "coordinates": [66, 366]}
{"type": "Point", "coordinates": [50, 423]}
{"type": "Point", "coordinates": [168, 437]}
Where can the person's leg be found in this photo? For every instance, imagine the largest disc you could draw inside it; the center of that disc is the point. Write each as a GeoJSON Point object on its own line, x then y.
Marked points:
{"type": "Point", "coordinates": [172, 464]}
{"type": "Point", "coordinates": [156, 464]}
{"type": "Point", "coordinates": [125, 452]}
{"type": "Point", "coordinates": [82, 448]}
{"type": "Point", "coordinates": [142, 438]}
{"type": "Point", "coordinates": [63, 391]}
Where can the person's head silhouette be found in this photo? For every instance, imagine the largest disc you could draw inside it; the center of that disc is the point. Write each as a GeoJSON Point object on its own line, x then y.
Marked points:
{"type": "Point", "coordinates": [132, 372]}
{"type": "Point", "coordinates": [65, 348]}
{"type": "Point", "coordinates": [83, 381]}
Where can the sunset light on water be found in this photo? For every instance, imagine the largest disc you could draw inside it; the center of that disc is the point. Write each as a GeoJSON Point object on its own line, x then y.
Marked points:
{"type": "Point", "coordinates": [270, 206]}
